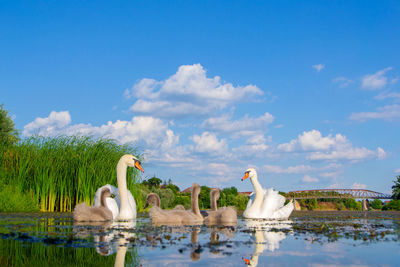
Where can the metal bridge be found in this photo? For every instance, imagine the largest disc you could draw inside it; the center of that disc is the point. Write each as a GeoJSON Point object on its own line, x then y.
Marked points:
{"type": "Point", "coordinates": [337, 193]}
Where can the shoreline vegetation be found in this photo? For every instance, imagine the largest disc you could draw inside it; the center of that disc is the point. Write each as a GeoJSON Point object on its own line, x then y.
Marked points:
{"type": "Point", "coordinates": [54, 174]}
{"type": "Point", "coordinates": [57, 173]}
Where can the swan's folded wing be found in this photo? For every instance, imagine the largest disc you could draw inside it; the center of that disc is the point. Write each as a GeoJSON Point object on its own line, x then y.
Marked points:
{"type": "Point", "coordinates": [284, 212]}
{"type": "Point", "coordinates": [113, 206]}
{"type": "Point", "coordinates": [132, 201]}
{"type": "Point", "coordinates": [251, 200]}
{"type": "Point", "coordinates": [272, 202]}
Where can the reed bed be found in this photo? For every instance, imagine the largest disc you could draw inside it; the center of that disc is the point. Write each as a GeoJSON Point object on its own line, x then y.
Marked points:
{"type": "Point", "coordinates": [63, 171]}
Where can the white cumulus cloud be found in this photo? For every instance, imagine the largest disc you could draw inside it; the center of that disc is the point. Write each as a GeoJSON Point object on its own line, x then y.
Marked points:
{"type": "Point", "coordinates": [140, 130]}
{"type": "Point", "coordinates": [335, 147]}
{"type": "Point", "coordinates": [48, 126]}
{"type": "Point", "coordinates": [189, 92]}
{"type": "Point", "coordinates": [208, 142]}
{"type": "Point", "coordinates": [311, 141]}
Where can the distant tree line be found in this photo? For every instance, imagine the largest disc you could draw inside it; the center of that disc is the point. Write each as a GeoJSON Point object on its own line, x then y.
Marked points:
{"type": "Point", "coordinates": [171, 195]}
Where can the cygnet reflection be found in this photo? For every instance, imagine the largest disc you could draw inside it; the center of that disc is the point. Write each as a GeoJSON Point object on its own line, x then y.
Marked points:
{"type": "Point", "coordinates": [109, 237]}
{"type": "Point", "coordinates": [265, 239]}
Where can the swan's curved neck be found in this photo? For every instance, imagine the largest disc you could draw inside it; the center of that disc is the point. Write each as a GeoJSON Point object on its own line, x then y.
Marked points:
{"type": "Point", "coordinates": [195, 204]}
{"type": "Point", "coordinates": [158, 201]}
{"type": "Point", "coordinates": [256, 184]}
{"type": "Point", "coordinates": [258, 190]}
{"type": "Point", "coordinates": [122, 188]}
{"type": "Point", "coordinates": [103, 202]}
{"type": "Point", "coordinates": [214, 202]}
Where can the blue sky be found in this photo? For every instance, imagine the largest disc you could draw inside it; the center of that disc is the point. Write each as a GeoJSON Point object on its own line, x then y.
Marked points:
{"type": "Point", "coordinates": [308, 93]}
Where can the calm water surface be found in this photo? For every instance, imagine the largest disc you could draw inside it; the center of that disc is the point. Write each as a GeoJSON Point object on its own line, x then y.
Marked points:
{"type": "Point", "coordinates": [306, 239]}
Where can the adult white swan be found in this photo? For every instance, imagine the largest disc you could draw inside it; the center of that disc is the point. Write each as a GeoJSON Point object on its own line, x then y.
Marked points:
{"type": "Point", "coordinates": [123, 205]}
{"type": "Point", "coordinates": [265, 203]}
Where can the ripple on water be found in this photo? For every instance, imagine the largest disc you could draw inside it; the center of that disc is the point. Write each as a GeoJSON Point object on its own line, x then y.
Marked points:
{"type": "Point", "coordinates": [325, 238]}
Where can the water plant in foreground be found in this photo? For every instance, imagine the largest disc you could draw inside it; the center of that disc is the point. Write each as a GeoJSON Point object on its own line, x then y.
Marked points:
{"type": "Point", "coordinates": [62, 171]}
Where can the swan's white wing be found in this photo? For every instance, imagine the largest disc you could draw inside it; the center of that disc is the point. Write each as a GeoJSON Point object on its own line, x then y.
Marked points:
{"type": "Point", "coordinates": [272, 202]}
{"type": "Point", "coordinates": [251, 200]}
{"type": "Point", "coordinates": [113, 206]}
{"type": "Point", "coordinates": [284, 212]}
{"type": "Point", "coordinates": [114, 203]}
{"type": "Point", "coordinates": [132, 203]}
{"type": "Point", "coordinates": [249, 211]}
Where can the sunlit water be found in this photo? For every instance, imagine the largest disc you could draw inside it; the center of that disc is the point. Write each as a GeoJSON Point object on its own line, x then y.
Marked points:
{"type": "Point", "coordinates": [306, 239]}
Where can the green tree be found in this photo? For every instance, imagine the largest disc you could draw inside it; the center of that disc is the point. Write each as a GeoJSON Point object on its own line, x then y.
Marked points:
{"type": "Point", "coordinates": [204, 197]}
{"type": "Point", "coordinates": [352, 204]}
{"type": "Point", "coordinates": [230, 191]}
{"type": "Point", "coordinates": [376, 204]}
{"type": "Point", "coordinates": [154, 182]}
{"type": "Point", "coordinates": [167, 197]}
{"type": "Point", "coordinates": [392, 205]}
{"type": "Point", "coordinates": [396, 188]}
{"type": "Point", "coordinates": [182, 199]}
{"type": "Point", "coordinates": [8, 133]}
{"type": "Point", "coordinates": [174, 188]}
{"type": "Point", "coordinates": [241, 202]}
{"type": "Point", "coordinates": [310, 204]}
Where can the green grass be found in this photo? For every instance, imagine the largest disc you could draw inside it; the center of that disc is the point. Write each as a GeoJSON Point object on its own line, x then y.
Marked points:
{"type": "Point", "coordinates": [60, 172]}
{"type": "Point", "coordinates": [13, 200]}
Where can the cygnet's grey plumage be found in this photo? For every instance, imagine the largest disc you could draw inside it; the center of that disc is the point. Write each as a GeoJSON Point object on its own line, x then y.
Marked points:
{"type": "Point", "coordinates": [83, 212]}
{"type": "Point", "coordinates": [154, 200]}
{"type": "Point", "coordinates": [179, 207]}
{"type": "Point", "coordinates": [179, 217]}
{"type": "Point", "coordinates": [222, 215]}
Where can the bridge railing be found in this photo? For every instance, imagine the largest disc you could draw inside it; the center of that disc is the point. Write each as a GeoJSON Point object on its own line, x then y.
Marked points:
{"type": "Point", "coordinates": [337, 193]}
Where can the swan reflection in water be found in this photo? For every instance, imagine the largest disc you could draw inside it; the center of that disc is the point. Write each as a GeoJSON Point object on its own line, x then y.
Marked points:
{"type": "Point", "coordinates": [215, 233]}
{"type": "Point", "coordinates": [267, 236]}
{"type": "Point", "coordinates": [109, 237]}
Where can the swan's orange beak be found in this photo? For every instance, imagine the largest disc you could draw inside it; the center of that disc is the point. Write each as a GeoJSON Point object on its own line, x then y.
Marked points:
{"type": "Point", "coordinates": [137, 165]}
{"type": "Point", "coordinates": [246, 175]}
{"type": "Point", "coordinates": [246, 261]}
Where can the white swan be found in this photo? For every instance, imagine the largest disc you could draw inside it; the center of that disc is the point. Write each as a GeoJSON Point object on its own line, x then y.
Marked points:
{"type": "Point", "coordinates": [265, 203]}
{"type": "Point", "coordinates": [123, 205]}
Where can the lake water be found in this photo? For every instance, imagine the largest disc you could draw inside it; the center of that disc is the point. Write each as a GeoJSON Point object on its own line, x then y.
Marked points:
{"type": "Point", "coordinates": [306, 239]}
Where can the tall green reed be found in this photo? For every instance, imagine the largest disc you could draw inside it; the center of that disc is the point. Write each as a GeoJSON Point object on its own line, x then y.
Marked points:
{"type": "Point", "coordinates": [63, 171]}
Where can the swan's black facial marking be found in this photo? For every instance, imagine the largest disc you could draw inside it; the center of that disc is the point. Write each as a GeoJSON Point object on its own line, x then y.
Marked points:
{"type": "Point", "coordinates": [137, 164]}
{"type": "Point", "coordinates": [136, 160]}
